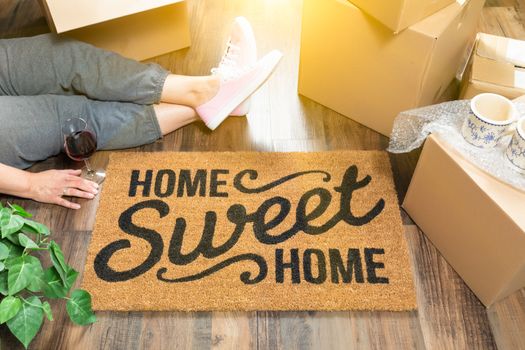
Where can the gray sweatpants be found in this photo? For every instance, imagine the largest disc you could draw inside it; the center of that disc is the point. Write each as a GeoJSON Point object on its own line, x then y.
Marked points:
{"type": "Point", "coordinates": [45, 80]}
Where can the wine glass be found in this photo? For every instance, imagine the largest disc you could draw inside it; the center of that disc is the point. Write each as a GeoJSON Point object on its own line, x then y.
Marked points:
{"type": "Point", "coordinates": [80, 144]}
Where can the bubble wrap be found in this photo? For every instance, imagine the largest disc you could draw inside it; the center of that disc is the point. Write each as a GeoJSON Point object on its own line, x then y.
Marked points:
{"type": "Point", "coordinates": [411, 128]}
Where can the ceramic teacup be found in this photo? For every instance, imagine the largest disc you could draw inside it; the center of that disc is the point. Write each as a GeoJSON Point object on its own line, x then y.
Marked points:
{"type": "Point", "coordinates": [491, 117]}
{"type": "Point", "coordinates": [516, 149]}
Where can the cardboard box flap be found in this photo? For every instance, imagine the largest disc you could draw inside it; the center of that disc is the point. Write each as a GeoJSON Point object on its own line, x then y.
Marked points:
{"type": "Point", "coordinates": [496, 61]}
{"type": "Point", "coordinates": [499, 61]}
{"type": "Point", "coordinates": [504, 50]}
{"type": "Point", "coordinates": [386, 12]}
{"type": "Point", "coordinates": [436, 24]}
{"type": "Point", "coordinates": [68, 14]}
{"type": "Point", "coordinates": [498, 73]}
{"type": "Point", "coordinates": [400, 14]}
{"type": "Point", "coordinates": [420, 9]}
{"type": "Point", "coordinates": [489, 46]}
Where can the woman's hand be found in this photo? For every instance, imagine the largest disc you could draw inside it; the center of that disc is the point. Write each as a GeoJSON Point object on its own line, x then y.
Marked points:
{"type": "Point", "coordinates": [52, 185]}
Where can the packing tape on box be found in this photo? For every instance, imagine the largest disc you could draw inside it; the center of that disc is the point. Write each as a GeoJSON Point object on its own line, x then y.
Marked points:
{"type": "Point", "coordinates": [519, 79]}
{"type": "Point", "coordinates": [516, 52]}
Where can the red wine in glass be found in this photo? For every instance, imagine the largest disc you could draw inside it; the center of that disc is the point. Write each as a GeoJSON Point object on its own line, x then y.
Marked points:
{"type": "Point", "coordinates": [80, 144]}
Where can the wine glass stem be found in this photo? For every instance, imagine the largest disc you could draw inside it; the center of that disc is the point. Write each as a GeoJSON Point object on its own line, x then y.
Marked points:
{"type": "Point", "coordinates": [88, 167]}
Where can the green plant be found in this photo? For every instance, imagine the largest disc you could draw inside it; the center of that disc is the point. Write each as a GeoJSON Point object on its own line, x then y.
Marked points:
{"type": "Point", "coordinates": [25, 284]}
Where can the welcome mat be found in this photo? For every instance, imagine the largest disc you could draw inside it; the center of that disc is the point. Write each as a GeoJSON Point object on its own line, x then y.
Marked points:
{"type": "Point", "coordinates": [249, 231]}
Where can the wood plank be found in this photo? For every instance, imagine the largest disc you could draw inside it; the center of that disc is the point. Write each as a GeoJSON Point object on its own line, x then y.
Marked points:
{"type": "Point", "coordinates": [174, 330]}
{"type": "Point", "coordinates": [503, 21]}
{"type": "Point", "coordinates": [339, 330]}
{"type": "Point", "coordinates": [507, 321]}
{"type": "Point", "coordinates": [21, 18]}
{"type": "Point", "coordinates": [234, 330]}
{"type": "Point", "coordinates": [450, 315]}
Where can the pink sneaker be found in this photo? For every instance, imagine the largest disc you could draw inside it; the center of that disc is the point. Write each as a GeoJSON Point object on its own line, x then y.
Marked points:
{"type": "Point", "coordinates": [236, 87]}
{"type": "Point", "coordinates": [241, 53]}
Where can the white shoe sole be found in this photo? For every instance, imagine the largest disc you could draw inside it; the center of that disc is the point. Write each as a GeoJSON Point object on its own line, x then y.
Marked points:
{"type": "Point", "coordinates": [246, 92]}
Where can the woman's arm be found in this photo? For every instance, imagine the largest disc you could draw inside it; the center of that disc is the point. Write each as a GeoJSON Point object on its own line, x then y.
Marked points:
{"type": "Point", "coordinates": [47, 186]}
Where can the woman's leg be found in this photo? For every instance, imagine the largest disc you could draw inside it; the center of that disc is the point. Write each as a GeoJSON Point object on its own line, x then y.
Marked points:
{"type": "Point", "coordinates": [172, 117]}
{"type": "Point", "coordinates": [47, 64]}
{"type": "Point", "coordinates": [31, 125]}
{"type": "Point", "coordinates": [189, 91]}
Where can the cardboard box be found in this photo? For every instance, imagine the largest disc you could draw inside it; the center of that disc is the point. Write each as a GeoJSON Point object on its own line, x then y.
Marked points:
{"type": "Point", "coordinates": [473, 219]}
{"type": "Point", "coordinates": [399, 14]}
{"type": "Point", "coordinates": [137, 29]}
{"type": "Point", "coordinates": [498, 66]}
{"type": "Point", "coordinates": [359, 68]}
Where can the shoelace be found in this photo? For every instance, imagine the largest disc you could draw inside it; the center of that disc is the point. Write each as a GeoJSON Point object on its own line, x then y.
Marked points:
{"type": "Point", "coordinates": [228, 68]}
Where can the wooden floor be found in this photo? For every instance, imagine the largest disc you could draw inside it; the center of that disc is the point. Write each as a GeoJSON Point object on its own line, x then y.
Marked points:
{"type": "Point", "coordinates": [449, 315]}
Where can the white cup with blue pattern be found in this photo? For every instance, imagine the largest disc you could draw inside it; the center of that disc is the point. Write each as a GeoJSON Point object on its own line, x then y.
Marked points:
{"type": "Point", "coordinates": [516, 150]}
{"type": "Point", "coordinates": [491, 117]}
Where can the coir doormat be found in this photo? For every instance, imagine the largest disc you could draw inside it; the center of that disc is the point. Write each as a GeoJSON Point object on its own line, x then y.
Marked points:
{"type": "Point", "coordinates": [249, 231]}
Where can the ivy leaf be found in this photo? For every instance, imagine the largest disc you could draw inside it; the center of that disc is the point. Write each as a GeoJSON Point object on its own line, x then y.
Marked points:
{"type": "Point", "coordinates": [57, 258]}
{"type": "Point", "coordinates": [9, 307]}
{"type": "Point", "coordinates": [71, 277]}
{"type": "Point", "coordinates": [14, 250]}
{"type": "Point", "coordinates": [3, 283]}
{"type": "Point", "coordinates": [2, 266]}
{"type": "Point", "coordinates": [4, 213]}
{"type": "Point", "coordinates": [53, 286]}
{"type": "Point", "coordinates": [14, 239]}
{"type": "Point", "coordinates": [47, 310]}
{"type": "Point", "coordinates": [36, 227]}
{"type": "Point", "coordinates": [20, 211]}
{"type": "Point", "coordinates": [79, 308]}
{"type": "Point", "coordinates": [37, 282]}
{"type": "Point", "coordinates": [29, 229]}
{"type": "Point", "coordinates": [26, 241]}
{"type": "Point", "coordinates": [4, 251]}
{"type": "Point", "coordinates": [11, 224]}
{"type": "Point", "coordinates": [21, 272]}
{"type": "Point", "coordinates": [27, 322]}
